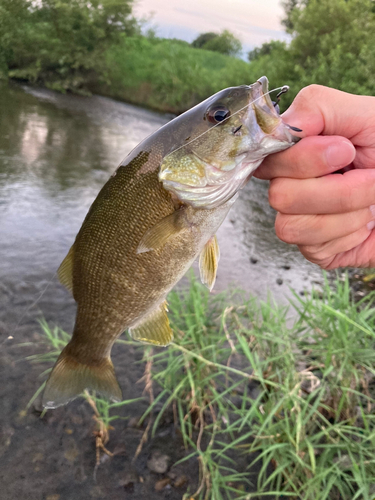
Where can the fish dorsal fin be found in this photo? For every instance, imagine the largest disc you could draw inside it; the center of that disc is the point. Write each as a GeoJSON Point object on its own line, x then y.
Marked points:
{"type": "Point", "coordinates": [208, 262]}
{"type": "Point", "coordinates": [154, 328]}
{"type": "Point", "coordinates": [158, 235]}
{"type": "Point", "coordinates": [65, 271]}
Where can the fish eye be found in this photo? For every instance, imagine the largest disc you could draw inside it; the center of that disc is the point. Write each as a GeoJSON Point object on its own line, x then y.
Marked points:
{"type": "Point", "coordinates": [218, 114]}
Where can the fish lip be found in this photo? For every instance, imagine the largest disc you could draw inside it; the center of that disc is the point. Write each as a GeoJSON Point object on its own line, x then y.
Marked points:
{"type": "Point", "coordinates": [261, 93]}
{"type": "Point", "coordinates": [263, 81]}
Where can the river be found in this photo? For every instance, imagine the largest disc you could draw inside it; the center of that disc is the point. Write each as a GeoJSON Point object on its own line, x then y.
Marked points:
{"type": "Point", "coordinates": [56, 151]}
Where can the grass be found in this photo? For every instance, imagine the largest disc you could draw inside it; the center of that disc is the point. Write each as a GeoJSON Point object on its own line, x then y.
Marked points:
{"type": "Point", "coordinates": [167, 75]}
{"type": "Point", "coordinates": [293, 403]}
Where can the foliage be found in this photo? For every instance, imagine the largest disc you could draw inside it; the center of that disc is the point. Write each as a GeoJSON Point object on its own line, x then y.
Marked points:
{"type": "Point", "coordinates": [290, 8]}
{"type": "Point", "coordinates": [248, 387]}
{"type": "Point", "coordinates": [59, 42]}
{"type": "Point", "coordinates": [332, 45]}
{"type": "Point", "coordinates": [202, 39]}
{"type": "Point", "coordinates": [166, 75]}
{"type": "Point", "coordinates": [225, 43]}
{"type": "Point", "coordinates": [266, 49]}
{"type": "Point", "coordinates": [91, 46]}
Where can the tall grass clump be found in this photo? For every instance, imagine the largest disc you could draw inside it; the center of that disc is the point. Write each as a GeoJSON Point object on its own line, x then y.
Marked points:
{"type": "Point", "coordinates": [271, 410]}
{"type": "Point", "coordinates": [297, 402]}
{"type": "Point", "coordinates": [168, 75]}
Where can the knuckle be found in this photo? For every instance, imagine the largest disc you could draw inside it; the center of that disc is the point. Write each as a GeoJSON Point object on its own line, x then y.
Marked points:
{"type": "Point", "coordinates": [278, 197]}
{"type": "Point", "coordinates": [317, 254]}
{"type": "Point", "coordinates": [308, 94]}
{"type": "Point", "coordinates": [286, 228]}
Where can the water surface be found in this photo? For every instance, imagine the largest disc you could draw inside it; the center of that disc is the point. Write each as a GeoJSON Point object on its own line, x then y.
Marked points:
{"type": "Point", "coordinates": [56, 152]}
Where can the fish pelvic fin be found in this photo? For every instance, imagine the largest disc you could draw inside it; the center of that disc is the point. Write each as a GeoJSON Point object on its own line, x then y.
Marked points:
{"type": "Point", "coordinates": [69, 378]}
{"type": "Point", "coordinates": [154, 328]}
{"type": "Point", "coordinates": [208, 262]}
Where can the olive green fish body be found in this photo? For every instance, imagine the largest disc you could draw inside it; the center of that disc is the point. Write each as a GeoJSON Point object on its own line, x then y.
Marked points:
{"type": "Point", "coordinates": [151, 220]}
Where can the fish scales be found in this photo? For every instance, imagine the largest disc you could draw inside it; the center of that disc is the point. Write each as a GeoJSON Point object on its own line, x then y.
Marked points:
{"type": "Point", "coordinates": [150, 221]}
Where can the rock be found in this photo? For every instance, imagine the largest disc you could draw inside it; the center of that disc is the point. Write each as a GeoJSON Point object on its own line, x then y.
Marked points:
{"type": "Point", "coordinates": [286, 267]}
{"type": "Point", "coordinates": [180, 481]}
{"type": "Point", "coordinates": [279, 281]}
{"type": "Point", "coordinates": [253, 260]}
{"type": "Point", "coordinates": [160, 485]}
{"type": "Point", "coordinates": [129, 480]}
{"type": "Point", "coordinates": [158, 462]}
{"type": "Point", "coordinates": [133, 422]}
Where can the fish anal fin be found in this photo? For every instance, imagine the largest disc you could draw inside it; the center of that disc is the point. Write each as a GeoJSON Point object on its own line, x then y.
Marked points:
{"type": "Point", "coordinates": [154, 328]}
{"type": "Point", "coordinates": [158, 235]}
{"type": "Point", "coordinates": [65, 271]}
{"type": "Point", "coordinates": [208, 262]}
{"type": "Point", "coordinates": [69, 378]}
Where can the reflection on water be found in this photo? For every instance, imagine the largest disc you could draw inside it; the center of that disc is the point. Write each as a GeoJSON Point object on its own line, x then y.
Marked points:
{"type": "Point", "coordinates": [56, 151]}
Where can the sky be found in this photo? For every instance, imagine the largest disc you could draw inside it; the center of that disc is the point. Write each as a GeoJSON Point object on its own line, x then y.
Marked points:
{"type": "Point", "coordinates": [252, 21]}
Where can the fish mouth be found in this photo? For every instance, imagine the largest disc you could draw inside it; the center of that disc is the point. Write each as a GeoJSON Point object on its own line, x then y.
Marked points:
{"type": "Point", "coordinates": [263, 81]}
{"type": "Point", "coordinates": [273, 107]}
{"type": "Point", "coordinates": [267, 113]}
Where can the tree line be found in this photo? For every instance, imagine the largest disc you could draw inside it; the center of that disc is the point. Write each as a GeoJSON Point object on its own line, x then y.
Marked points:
{"type": "Point", "coordinates": [69, 44]}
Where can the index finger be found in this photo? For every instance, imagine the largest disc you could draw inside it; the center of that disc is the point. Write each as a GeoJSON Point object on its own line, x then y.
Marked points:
{"type": "Point", "coordinates": [323, 110]}
{"type": "Point", "coordinates": [311, 157]}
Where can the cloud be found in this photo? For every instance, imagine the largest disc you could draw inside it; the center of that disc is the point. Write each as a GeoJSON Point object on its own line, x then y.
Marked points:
{"type": "Point", "coordinates": [252, 21]}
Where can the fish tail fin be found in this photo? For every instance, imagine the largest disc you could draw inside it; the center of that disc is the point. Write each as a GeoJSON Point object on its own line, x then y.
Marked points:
{"type": "Point", "coordinates": [69, 378]}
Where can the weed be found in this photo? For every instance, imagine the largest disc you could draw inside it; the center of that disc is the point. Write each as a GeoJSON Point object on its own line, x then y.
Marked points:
{"type": "Point", "coordinates": [293, 403]}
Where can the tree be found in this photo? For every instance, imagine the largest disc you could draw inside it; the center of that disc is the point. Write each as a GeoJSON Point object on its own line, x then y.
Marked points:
{"type": "Point", "coordinates": [265, 49]}
{"type": "Point", "coordinates": [61, 40]}
{"type": "Point", "coordinates": [224, 42]}
{"type": "Point", "coordinates": [203, 38]}
{"type": "Point", "coordinates": [332, 45]}
{"type": "Point", "coordinates": [291, 8]}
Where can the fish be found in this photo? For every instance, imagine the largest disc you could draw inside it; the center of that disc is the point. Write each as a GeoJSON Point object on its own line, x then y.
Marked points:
{"type": "Point", "coordinates": [154, 217]}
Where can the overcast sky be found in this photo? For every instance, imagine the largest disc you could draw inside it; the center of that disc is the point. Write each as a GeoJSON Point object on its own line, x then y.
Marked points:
{"type": "Point", "coordinates": [252, 21]}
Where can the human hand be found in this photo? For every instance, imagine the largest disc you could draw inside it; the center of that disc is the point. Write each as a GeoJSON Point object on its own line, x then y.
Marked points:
{"type": "Point", "coordinates": [329, 216]}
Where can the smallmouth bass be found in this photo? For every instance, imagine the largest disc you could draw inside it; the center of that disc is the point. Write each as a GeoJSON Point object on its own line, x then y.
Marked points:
{"type": "Point", "coordinates": [158, 212]}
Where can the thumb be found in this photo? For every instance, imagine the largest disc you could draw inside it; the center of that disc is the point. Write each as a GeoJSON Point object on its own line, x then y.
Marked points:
{"type": "Point", "coordinates": [322, 110]}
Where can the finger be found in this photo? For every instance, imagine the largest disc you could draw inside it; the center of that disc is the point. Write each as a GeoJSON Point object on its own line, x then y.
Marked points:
{"type": "Point", "coordinates": [312, 157]}
{"type": "Point", "coordinates": [362, 255]}
{"type": "Point", "coordinates": [322, 110]}
{"type": "Point", "coordinates": [318, 229]}
{"type": "Point", "coordinates": [331, 194]}
{"type": "Point", "coordinates": [324, 255]}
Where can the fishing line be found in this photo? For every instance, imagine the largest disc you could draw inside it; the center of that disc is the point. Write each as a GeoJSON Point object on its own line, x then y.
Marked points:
{"type": "Point", "coordinates": [11, 336]}
{"type": "Point", "coordinates": [282, 89]}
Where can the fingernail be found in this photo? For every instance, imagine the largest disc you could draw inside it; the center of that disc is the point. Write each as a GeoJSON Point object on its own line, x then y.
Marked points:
{"type": "Point", "coordinates": [339, 155]}
{"type": "Point", "coordinates": [372, 210]}
{"type": "Point", "coordinates": [371, 225]}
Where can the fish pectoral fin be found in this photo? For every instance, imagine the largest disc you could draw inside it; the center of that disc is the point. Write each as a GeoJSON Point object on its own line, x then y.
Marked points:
{"type": "Point", "coordinates": [169, 227]}
{"type": "Point", "coordinates": [65, 271]}
{"type": "Point", "coordinates": [154, 328]}
{"type": "Point", "coordinates": [69, 378]}
{"type": "Point", "coordinates": [208, 262]}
